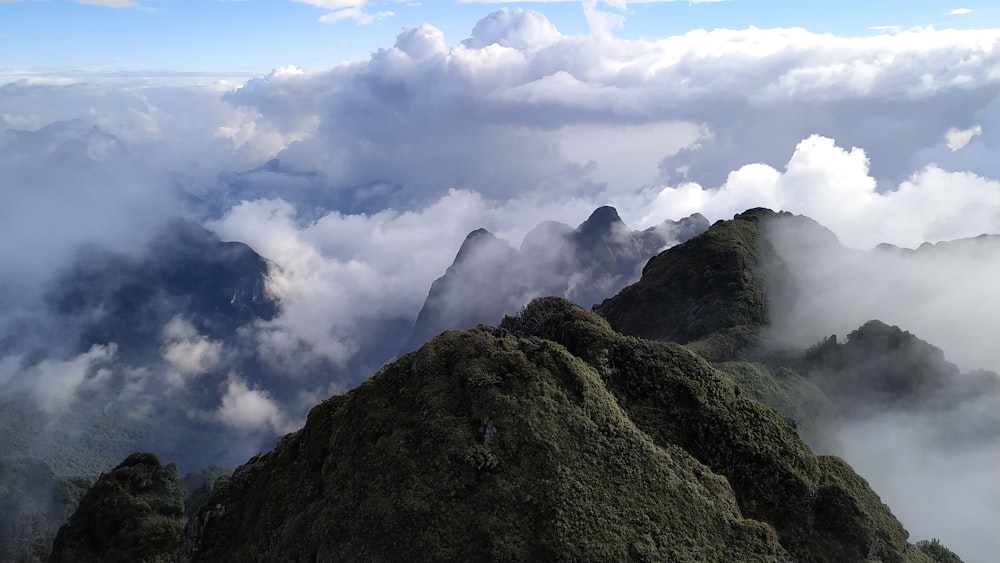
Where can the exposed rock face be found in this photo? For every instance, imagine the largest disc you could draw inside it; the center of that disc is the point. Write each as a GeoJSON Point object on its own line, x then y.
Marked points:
{"type": "Point", "coordinates": [489, 279]}
{"type": "Point", "coordinates": [135, 512]}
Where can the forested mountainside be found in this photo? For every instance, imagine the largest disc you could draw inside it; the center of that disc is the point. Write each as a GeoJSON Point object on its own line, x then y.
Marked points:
{"type": "Point", "coordinates": [549, 437]}
{"type": "Point", "coordinates": [667, 424]}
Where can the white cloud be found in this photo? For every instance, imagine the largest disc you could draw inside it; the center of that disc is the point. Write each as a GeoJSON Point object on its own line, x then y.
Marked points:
{"type": "Point", "coordinates": [957, 139]}
{"type": "Point", "coordinates": [340, 10]}
{"type": "Point", "coordinates": [110, 3]}
{"type": "Point", "coordinates": [959, 12]}
{"type": "Point", "coordinates": [53, 384]}
{"type": "Point", "coordinates": [250, 410]}
{"type": "Point", "coordinates": [187, 352]}
{"type": "Point", "coordinates": [833, 186]}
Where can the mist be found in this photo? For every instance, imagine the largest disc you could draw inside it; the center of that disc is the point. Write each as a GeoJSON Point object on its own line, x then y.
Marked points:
{"type": "Point", "coordinates": [930, 454]}
{"type": "Point", "coordinates": [357, 185]}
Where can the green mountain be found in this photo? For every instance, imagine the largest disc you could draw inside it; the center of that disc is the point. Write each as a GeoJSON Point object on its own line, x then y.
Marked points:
{"type": "Point", "coordinates": [135, 512]}
{"type": "Point", "coordinates": [663, 429]}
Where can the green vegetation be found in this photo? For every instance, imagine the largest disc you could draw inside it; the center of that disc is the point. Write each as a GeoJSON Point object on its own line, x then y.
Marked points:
{"type": "Point", "coordinates": [679, 400]}
{"type": "Point", "coordinates": [804, 406]}
{"type": "Point", "coordinates": [878, 366]}
{"type": "Point", "coordinates": [937, 552]}
{"type": "Point", "coordinates": [35, 503]}
{"type": "Point", "coordinates": [477, 447]}
{"type": "Point", "coordinates": [134, 513]}
{"type": "Point", "coordinates": [710, 289]}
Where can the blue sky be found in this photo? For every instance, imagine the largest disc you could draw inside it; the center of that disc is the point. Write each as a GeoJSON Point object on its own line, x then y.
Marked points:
{"type": "Point", "coordinates": [254, 36]}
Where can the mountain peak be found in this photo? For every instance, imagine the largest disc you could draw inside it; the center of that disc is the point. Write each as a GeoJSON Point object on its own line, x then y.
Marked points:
{"type": "Point", "coordinates": [600, 221]}
{"type": "Point", "coordinates": [474, 240]}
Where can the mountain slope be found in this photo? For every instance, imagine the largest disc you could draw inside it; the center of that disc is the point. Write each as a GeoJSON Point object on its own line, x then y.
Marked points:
{"type": "Point", "coordinates": [133, 513]}
{"type": "Point", "coordinates": [477, 447]}
{"type": "Point", "coordinates": [820, 508]}
{"type": "Point", "coordinates": [715, 282]}
{"type": "Point", "coordinates": [499, 444]}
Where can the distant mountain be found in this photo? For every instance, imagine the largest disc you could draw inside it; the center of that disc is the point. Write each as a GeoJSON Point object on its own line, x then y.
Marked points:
{"type": "Point", "coordinates": [489, 278]}
{"type": "Point", "coordinates": [186, 271]}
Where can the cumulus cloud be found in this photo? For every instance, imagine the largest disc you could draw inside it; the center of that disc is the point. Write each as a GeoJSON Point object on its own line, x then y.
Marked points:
{"type": "Point", "coordinates": [833, 185]}
{"type": "Point", "coordinates": [250, 409]}
{"type": "Point", "coordinates": [957, 139]}
{"type": "Point", "coordinates": [188, 352]}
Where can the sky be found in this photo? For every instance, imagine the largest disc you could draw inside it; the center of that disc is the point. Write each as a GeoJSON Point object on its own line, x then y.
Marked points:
{"type": "Point", "coordinates": [241, 37]}
{"type": "Point", "coordinates": [355, 144]}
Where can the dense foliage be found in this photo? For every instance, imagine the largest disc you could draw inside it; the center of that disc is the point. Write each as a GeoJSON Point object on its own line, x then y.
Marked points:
{"type": "Point", "coordinates": [134, 513]}
{"type": "Point", "coordinates": [713, 286]}
{"type": "Point", "coordinates": [820, 508]}
{"type": "Point", "coordinates": [477, 447]}
{"type": "Point", "coordinates": [35, 503]}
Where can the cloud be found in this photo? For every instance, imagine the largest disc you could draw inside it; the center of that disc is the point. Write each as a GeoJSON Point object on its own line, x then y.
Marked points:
{"type": "Point", "coordinates": [518, 29]}
{"type": "Point", "coordinates": [340, 10]}
{"type": "Point", "coordinates": [110, 3]}
{"type": "Point", "coordinates": [53, 384]}
{"type": "Point", "coordinates": [959, 12]}
{"type": "Point", "coordinates": [188, 352]}
{"type": "Point", "coordinates": [249, 409]}
{"type": "Point", "coordinates": [939, 490]}
{"type": "Point", "coordinates": [957, 139]}
{"type": "Point", "coordinates": [833, 185]}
